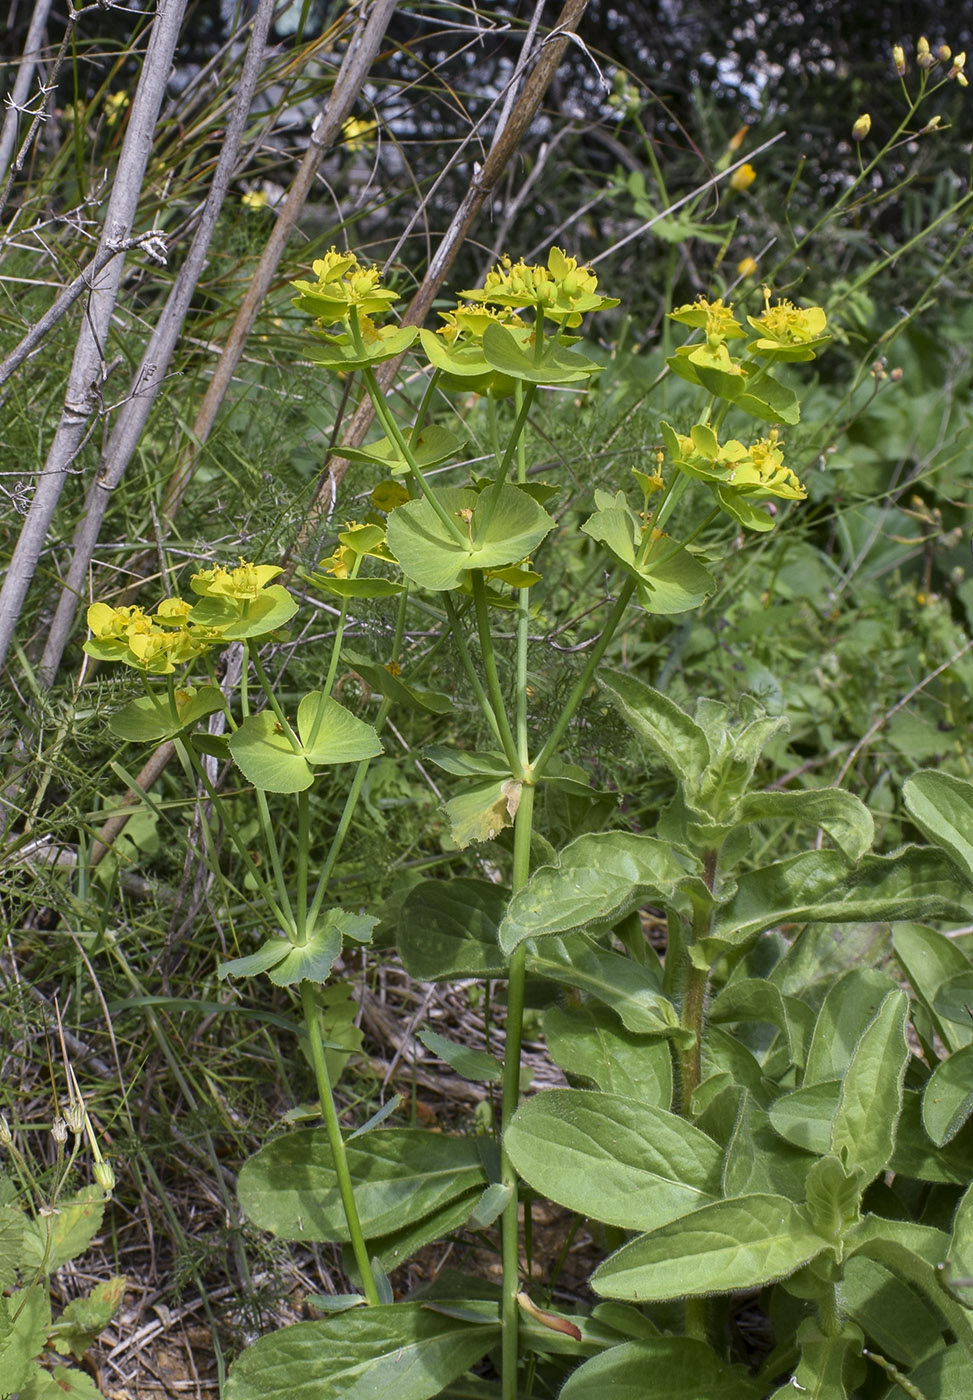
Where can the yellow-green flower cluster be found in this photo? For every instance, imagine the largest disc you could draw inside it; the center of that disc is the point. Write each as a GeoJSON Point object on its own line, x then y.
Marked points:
{"type": "Point", "coordinates": [787, 331]}
{"type": "Point", "coordinates": [155, 645]}
{"type": "Point", "coordinates": [757, 470]}
{"type": "Point", "coordinates": [242, 584]}
{"type": "Point", "coordinates": [467, 323]}
{"type": "Point", "coordinates": [343, 286]}
{"type": "Point", "coordinates": [926, 59]}
{"type": "Point", "coordinates": [563, 291]}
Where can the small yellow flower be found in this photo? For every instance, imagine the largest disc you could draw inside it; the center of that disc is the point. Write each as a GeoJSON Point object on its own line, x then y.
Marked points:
{"type": "Point", "coordinates": [944, 53]}
{"type": "Point", "coordinates": [466, 323]}
{"type": "Point", "coordinates": [959, 63]}
{"type": "Point", "coordinates": [743, 178]}
{"type": "Point", "coordinates": [924, 57]}
{"type": "Point", "coordinates": [254, 199]}
{"type": "Point", "coordinates": [115, 105]}
{"type": "Point", "coordinates": [717, 320]}
{"type": "Point", "coordinates": [862, 127]}
{"type": "Point", "coordinates": [786, 326]}
{"type": "Point", "coordinates": [898, 58]}
{"type": "Point", "coordinates": [358, 133]}
{"type": "Point", "coordinates": [242, 584]}
{"type": "Point", "coordinates": [737, 139]}
{"type": "Point", "coordinates": [342, 285]}
{"type": "Point", "coordinates": [747, 267]}
{"type": "Point", "coordinates": [563, 291]}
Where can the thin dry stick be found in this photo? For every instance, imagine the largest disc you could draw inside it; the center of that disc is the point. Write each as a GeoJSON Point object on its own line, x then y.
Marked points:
{"type": "Point", "coordinates": [82, 395]}
{"type": "Point", "coordinates": [505, 144]}
{"type": "Point", "coordinates": [16, 102]}
{"type": "Point", "coordinates": [158, 353]}
{"type": "Point", "coordinates": [327, 124]}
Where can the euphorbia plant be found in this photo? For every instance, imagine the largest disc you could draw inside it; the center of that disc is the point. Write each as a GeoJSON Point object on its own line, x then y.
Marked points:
{"type": "Point", "coordinates": [666, 1133]}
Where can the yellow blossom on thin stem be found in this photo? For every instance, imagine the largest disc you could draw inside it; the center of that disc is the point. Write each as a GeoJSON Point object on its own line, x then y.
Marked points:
{"type": "Point", "coordinates": [713, 317]}
{"type": "Point", "coordinates": [254, 199]}
{"type": "Point", "coordinates": [747, 267]}
{"type": "Point", "coordinates": [563, 291]}
{"type": "Point", "coordinates": [343, 285]}
{"type": "Point", "coordinates": [898, 59]}
{"type": "Point", "coordinates": [743, 178]}
{"type": "Point", "coordinates": [924, 57]}
{"type": "Point", "coordinates": [242, 583]}
{"type": "Point", "coordinates": [465, 323]}
{"type": "Point", "coordinates": [861, 127]}
{"type": "Point", "coordinates": [786, 326]}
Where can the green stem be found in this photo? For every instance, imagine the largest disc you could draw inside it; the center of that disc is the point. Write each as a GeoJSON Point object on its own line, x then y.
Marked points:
{"type": "Point", "coordinates": [459, 637]}
{"type": "Point", "coordinates": [393, 430]}
{"type": "Point", "coordinates": [510, 1223]}
{"type": "Point", "coordinates": [494, 691]}
{"type": "Point", "coordinates": [336, 1140]}
{"type": "Point", "coordinates": [580, 688]}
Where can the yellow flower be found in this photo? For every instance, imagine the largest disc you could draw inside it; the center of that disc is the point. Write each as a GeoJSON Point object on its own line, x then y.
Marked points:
{"type": "Point", "coordinates": [129, 635]}
{"type": "Point", "coordinates": [562, 291]}
{"type": "Point", "coordinates": [717, 320]}
{"type": "Point", "coordinates": [242, 584]}
{"type": "Point", "coordinates": [861, 127]}
{"type": "Point", "coordinates": [254, 199]}
{"type": "Point", "coordinates": [785, 327]}
{"type": "Point", "coordinates": [358, 133]}
{"type": "Point", "coordinates": [924, 57]}
{"type": "Point", "coordinates": [959, 63]}
{"type": "Point", "coordinates": [743, 178]}
{"type": "Point", "coordinates": [343, 285]}
{"type": "Point", "coordinates": [115, 105]}
{"type": "Point", "coordinates": [747, 267]}
{"type": "Point", "coordinates": [898, 58]}
{"type": "Point", "coordinates": [465, 323]}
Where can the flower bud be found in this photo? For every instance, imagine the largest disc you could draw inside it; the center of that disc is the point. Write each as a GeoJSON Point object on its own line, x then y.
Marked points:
{"type": "Point", "coordinates": [6, 1136]}
{"type": "Point", "coordinates": [862, 127]}
{"type": "Point", "coordinates": [931, 124]}
{"type": "Point", "coordinates": [898, 58]}
{"type": "Point", "coordinates": [105, 1176]}
{"type": "Point", "coordinates": [747, 267]}
{"type": "Point", "coordinates": [923, 57]}
{"type": "Point", "coordinates": [962, 80]}
{"type": "Point", "coordinates": [897, 374]}
{"type": "Point", "coordinates": [959, 63]}
{"type": "Point", "coordinates": [944, 53]}
{"type": "Point", "coordinates": [737, 139]}
{"type": "Point", "coordinates": [59, 1130]}
{"type": "Point", "coordinates": [74, 1116]}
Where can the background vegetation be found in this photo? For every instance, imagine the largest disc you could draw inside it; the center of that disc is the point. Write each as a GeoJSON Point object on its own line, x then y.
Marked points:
{"type": "Point", "coordinates": [173, 418]}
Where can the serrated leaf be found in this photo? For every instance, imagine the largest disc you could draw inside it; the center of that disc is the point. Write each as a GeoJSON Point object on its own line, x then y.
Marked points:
{"type": "Point", "coordinates": [84, 1318]}
{"type": "Point", "coordinates": [403, 1350]}
{"type": "Point", "coordinates": [740, 1243]}
{"type": "Point", "coordinates": [12, 1231]}
{"type": "Point", "coordinates": [64, 1233]}
{"type": "Point", "coordinates": [612, 1159]}
{"type": "Point", "coordinates": [25, 1321]}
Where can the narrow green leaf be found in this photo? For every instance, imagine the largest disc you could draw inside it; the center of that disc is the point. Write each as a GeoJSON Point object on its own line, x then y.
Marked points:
{"type": "Point", "coordinates": [863, 1128]}
{"type": "Point", "coordinates": [739, 1243]}
{"type": "Point", "coordinates": [611, 1158]}
{"type": "Point", "coordinates": [403, 1350]}
{"type": "Point", "coordinates": [470, 1064]}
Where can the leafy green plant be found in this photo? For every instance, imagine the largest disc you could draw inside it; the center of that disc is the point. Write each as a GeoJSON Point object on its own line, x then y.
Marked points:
{"type": "Point", "coordinates": [43, 1225]}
